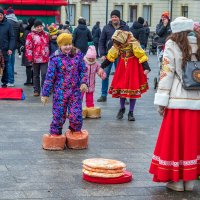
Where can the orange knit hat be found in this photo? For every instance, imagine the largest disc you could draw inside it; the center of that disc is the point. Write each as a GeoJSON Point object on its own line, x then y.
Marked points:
{"type": "Point", "coordinates": [165, 14]}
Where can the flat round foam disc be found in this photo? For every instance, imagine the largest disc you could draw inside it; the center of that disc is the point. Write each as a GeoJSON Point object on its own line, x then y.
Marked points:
{"type": "Point", "coordinates": [127, 177]}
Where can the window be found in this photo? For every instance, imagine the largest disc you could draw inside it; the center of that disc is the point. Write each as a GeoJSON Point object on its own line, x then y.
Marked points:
{"type": "Point", "coordinates": [184, 10]}
{"type": "Point", "coordinates": [85, 12]}
{"type": "Point", "coordinates": [147, 14]}
{"type": "Point", "coordinates": [132, 13]}
{"type": "Point", "coordinates": [71, 13]}
{"type": "Point", "coordinates": [120, 8]}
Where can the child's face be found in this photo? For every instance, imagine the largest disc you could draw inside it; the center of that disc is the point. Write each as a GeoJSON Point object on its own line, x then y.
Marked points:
{"type": "Point", "coordinates": [54, 36]}
{"type": "Point", "coordinates": [117, 44]}
{"type": "Point", "coordinates": [66, 49]}
{"type": "Point", "coordinates": [91, 59]}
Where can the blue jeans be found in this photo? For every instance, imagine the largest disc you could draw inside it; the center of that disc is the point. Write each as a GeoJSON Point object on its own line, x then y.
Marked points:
{"type": "Point", "coordinates": [10, 69]}
{"type": "Point", "coordinates": [105, 83]}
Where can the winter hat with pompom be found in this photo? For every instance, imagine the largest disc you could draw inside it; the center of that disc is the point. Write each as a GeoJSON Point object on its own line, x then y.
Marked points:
{"type": "Point", "coordinates": [52, 30]}
{"type": "Point", "coordinates": [91, 52]}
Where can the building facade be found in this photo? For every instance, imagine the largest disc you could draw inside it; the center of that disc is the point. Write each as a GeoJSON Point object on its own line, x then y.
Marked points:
{"type": "Point", "coordinates": [95, 10]}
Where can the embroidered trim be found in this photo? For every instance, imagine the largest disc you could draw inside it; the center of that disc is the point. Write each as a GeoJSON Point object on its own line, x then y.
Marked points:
{"type": "Point", "coordinates": [176, 164]}
{"type": "Point", "coordinates": [129, 92]}
{"type": "Point", "coordinates": [162, 74]}
{"type": "Point", "coordinates": [173, 169]}
{"type": "Point", "coordinates": [184, 98]}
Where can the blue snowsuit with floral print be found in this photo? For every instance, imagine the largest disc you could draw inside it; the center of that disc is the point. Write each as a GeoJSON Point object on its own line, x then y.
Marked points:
{"type": "Point", "coordinates": [65, 74]}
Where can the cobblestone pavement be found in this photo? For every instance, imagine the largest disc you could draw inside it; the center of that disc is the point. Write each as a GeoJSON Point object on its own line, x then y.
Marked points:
{"type": "Point", "coordinates": [29, 172]}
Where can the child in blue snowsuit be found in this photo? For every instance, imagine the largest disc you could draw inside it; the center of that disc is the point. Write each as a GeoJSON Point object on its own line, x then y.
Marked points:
{"type": "Point", "coordinates": [66, 78]}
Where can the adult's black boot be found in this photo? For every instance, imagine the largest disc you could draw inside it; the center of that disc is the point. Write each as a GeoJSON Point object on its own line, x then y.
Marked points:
{"type": "Point", "coordinates": [102, 99]}
{"type": "Point", "coordinates": [131, 116]}
{"type": "Point", "coordinates": [120, 114]}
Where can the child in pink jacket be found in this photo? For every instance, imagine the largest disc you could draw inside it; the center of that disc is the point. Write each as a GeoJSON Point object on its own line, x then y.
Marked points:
{"type": "Point", "coordinates": [93, 68]}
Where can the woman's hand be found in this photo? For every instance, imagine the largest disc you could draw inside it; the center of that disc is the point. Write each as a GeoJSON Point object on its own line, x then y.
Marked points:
{"type": "Point", "coordinates": [161, 110]}
{"type": "Point", "coordinates": [146, 72]}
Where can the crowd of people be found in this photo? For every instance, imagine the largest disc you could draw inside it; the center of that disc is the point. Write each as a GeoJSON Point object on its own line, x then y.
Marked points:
{"type": "Point", "coordinates": [66, 62]}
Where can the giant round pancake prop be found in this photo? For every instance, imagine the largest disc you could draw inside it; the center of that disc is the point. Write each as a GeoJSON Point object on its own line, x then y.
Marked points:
{"type": "Point", "coordinates": [105, 171]}
{"type": "Point", "coordinates": [127, 177]}
{"type": "Point", "coordinates": [102, 163]}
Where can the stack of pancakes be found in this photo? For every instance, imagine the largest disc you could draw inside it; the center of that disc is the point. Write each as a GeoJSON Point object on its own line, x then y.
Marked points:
{"type": "Point", "coordinates": [103, 168]}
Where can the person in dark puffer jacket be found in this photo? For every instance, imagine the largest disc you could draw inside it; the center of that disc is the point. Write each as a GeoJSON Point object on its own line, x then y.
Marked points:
{"type": "Point", "coordinates": [7, 43]}
{"type": "Point", "coordinates": [81, 36]}
{"type": "Point", "coordinates": [138, 31]}
{"type": "Point", "coordinates": [12, 19]}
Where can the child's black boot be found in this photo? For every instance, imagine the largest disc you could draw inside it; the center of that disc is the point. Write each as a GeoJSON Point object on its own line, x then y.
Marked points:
{"type": "Point", "coordinates": [131, 116]}
{"type": "Point", "coordinates": [120, 114]}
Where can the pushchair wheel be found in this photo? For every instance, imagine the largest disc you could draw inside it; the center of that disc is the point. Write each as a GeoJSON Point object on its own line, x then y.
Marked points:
{"type": "Point", "coordinates": [155, 81]}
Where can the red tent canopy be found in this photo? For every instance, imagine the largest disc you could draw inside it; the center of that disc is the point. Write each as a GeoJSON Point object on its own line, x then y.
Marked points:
{"type": "Point", "coordinates": [36, 2]}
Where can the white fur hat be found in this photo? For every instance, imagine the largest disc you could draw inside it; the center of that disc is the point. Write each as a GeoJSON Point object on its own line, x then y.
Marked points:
{"type": "Point", "coordinates": [182, 24]}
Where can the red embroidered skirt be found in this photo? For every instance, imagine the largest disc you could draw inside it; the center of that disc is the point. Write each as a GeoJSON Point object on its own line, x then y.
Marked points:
{"type": "Point", "coordinates": [177, 152]}
{"type": "Point", "coordinates": [129, 80]}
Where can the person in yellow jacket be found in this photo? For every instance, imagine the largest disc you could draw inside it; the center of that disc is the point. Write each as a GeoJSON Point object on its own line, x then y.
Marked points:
{"type": "Point", "coordinates": [130, 78]}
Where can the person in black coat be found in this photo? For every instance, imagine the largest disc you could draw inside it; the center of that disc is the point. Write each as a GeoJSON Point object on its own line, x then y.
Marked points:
{"type": "Point", "coordinates": [12, 19]}
{"type": "Point", "coordinates": [7, 45]}
{"type": "Point", "coordinates": [96, 33]}
{"type": "Point", "coordinates": [105, 43]}
{"type": "Point", "coordinates": [138, 31]}
{"type": "Point", "coordinates": [81, 36]}
{"type": "Point", "coordinates": [25, 62]}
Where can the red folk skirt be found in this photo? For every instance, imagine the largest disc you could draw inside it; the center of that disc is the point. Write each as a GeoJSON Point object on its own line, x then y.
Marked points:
{"type": "Point", "coordinates": [177, 152]}
{"type": "Point", "coordinates": [129, 80]}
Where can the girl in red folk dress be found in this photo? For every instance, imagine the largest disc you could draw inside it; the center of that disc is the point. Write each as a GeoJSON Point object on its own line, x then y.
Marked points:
{"type": "Point", "coordinates": [130, 78]}
{"type": "Point", "coordinates": [176, 157]}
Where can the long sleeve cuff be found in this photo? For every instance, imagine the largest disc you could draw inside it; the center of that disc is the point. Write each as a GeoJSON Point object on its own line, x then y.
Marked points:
{"type": "Point", "coordinates": [105, 63]}
{"type": "Point", "coordinates": [145, 66]}
{"type": "Point", "coordinates": [161, 99]}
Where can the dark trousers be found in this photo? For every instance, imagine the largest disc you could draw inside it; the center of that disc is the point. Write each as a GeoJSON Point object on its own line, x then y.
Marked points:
{"type": "Point", "coordinates": [29, 74]}
{"type": "Point", "coordinates": [37, 68]}
{"type": "Point", "coordinates": [97, 48]}
{"type": "Point", "coordinates": [4, 78]}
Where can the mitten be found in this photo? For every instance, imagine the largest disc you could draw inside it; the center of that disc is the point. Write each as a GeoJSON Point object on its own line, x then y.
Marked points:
{"type": "Point", "coordinates": [44, 100]}
{"type": "Point", "coordinates": [83, 87]}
